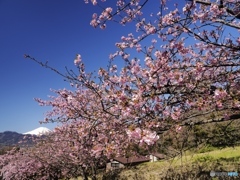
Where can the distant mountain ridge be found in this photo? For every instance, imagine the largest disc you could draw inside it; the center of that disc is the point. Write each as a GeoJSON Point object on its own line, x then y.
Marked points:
{"type": "Point", "coordinates": [10, 138]}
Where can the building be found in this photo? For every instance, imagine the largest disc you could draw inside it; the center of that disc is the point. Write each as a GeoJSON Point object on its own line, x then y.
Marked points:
{"type": "Point", "coordinates": [122, 162]}
{"type": "Point", "coordinates": [156, 157]}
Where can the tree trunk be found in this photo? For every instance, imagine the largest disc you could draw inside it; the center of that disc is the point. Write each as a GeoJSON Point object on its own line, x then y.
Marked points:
{"type": "Point", "coordinates": [84, 174]}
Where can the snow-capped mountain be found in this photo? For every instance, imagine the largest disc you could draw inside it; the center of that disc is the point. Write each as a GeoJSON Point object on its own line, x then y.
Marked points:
{"type": "Point", "coordinates": [39, 131]}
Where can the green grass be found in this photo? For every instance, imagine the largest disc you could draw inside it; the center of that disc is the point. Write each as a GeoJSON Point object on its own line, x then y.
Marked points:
{"type": "Point", "coordinates": [190, 163]}
{"type": "Point", "coordinates": [227, 159]}
{"type": "Point", "coordinates": [226, 154]}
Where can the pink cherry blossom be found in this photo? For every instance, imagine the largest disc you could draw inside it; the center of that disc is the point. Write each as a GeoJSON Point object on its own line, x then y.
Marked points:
{"type": "Point", "coordinates": [77, 60]}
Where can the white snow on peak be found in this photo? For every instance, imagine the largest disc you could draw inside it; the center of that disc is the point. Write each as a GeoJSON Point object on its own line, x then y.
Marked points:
{"type": "Point", "coordinates": [39, 131]}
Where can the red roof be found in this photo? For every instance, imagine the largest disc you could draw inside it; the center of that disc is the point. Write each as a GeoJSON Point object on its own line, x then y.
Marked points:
{"type": "Point", "coordinates": [133, 159]}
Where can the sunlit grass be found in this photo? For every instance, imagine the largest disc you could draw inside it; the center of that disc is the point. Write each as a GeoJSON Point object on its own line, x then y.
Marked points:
{"type": "Point", "coordinates": [217, 160]}
{"type": "Point", "coordinates": [226, 159]}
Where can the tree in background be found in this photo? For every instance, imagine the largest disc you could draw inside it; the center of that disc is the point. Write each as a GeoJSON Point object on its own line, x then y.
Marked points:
{"type": "Point", "coordinates": [187, 67]}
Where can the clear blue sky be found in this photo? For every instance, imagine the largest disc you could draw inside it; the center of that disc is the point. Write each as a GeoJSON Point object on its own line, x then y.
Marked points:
{"type": "Point", "coordinates": [52, 30]}
{"type": "Point", "coordinates": [49, 30]}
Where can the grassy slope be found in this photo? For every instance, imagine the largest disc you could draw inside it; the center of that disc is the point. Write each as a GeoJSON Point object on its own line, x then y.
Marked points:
{"type": "Point", "coordinates": [192, 166]}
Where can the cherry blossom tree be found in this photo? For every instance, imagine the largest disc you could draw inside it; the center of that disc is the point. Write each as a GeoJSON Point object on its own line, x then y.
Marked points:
{"type": "Point", "coordinates": [187, 66]}
{"type": "Point", "coordinates": [190, 50]}
{"type": "Point", "coordinates": [68, 152]}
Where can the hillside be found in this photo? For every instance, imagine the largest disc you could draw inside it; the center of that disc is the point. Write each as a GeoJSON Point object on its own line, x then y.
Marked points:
{"type": "Point", "coordinates": [9, 138]}
{"type": "Point", "coordinates": [192, 154]}
{"type": "Point", "coordinates": [191, 165]}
